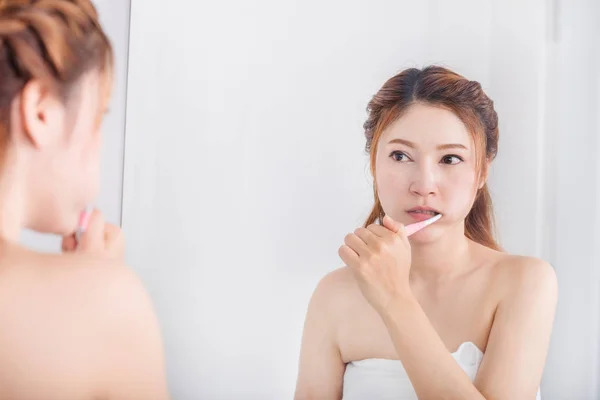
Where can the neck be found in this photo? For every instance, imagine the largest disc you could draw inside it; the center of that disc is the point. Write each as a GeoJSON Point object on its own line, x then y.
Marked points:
{"type": "Point", "coordinates": [443, 259]}
{"type": "Point", "coordinates": [12, 204]}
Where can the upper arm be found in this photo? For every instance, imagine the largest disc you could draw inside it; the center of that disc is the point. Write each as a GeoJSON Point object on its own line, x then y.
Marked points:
{"type": "Point", "coordinates": [133, 350]}
{"type": "Point", "coordinates": [518, 342]}
{"type": "Point", "coordinates": [321, 369]}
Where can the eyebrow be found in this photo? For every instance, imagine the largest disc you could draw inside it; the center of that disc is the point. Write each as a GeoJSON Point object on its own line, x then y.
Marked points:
{"type": "Point", "coordinates": [440, 147]}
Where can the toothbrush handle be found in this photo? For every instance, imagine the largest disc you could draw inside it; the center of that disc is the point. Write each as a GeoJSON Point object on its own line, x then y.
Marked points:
{"type": "Point", "coordinates": [416, 227]}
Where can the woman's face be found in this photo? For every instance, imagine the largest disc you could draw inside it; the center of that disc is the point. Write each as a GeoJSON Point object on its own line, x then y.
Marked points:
{"type": "Point", "coordinates": [425, 164]}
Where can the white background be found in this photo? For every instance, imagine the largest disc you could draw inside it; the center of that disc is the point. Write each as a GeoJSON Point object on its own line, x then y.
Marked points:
{"type": "Point", "coordinates": [244, 163]}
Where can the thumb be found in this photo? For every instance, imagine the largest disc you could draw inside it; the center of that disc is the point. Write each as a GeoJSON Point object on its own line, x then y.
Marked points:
{"type": "Point", "coordinates": [392, 225]}
{"type": "Point", "coordinates": [69, 243]}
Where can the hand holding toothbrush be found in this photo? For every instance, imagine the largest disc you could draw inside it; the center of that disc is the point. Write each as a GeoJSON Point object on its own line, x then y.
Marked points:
{"type": "Point", "coordinates": [95, 235]}
{"type": "Point", "coordinates": [380, 258]}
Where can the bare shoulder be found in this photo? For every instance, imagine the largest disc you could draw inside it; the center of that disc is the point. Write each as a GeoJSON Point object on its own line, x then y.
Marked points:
{"type": "Point", "coordinates": [339, 305]}
{"type": "Point", "coordinates": [96, 314]}
{"type": "Point", "coordinates": [337, 290]}
{"type": "Point", "coordinates": [121, 324]}
{"type": "Point", "coordinates": [524, 277]}
{"type": "Point", "coordinates": [526, 270]}
{"type": "Point", "coordinates": [330, 300]}
{"type": "Point", "coordinates": [68, 279]}
{"type": "Point", "coordinates": [105, 286]}
{"type": "Point", "coordinates": [115, 287]}
{"type": "Point", "coordinates": [338, 279]}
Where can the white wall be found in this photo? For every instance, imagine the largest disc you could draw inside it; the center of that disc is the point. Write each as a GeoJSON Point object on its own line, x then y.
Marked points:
{"type": "Point", "coordinates": [114, 15]}
{"type": "Point", "coordinates": [244, 166]}
{"type": "Point", "coordinates": [573, 249]}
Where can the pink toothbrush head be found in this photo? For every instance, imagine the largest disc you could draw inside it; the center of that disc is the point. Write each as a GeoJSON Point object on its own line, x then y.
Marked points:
{"type": "Point", "coordinates": [416, 227]}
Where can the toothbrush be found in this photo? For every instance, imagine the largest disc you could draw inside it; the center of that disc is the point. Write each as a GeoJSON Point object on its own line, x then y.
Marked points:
{"type": "Point", "coordinates": [83, 222]}
{"type": "Point", "coordinates": [416, 227]}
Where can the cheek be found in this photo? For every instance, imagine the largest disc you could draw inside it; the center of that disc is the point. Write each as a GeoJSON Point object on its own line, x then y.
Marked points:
{"type": "Point", "coordinates": [392, 188]}
{"type": "Point", "coordinates": [459, 192]}
{"type": "Point", "coordinates": [90, 159]}
{"type": "Point", "coordinates": [390, 182]}
{"type": "Point", "coordinates": [85, 161]}
{"type": "Point", "coordinates": [88, 142]}
{"type": "Point", "coordinates": [90, 151]}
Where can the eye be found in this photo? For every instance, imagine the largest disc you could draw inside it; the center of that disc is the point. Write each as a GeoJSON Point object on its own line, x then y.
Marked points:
{"type": "Point", "coordinates": [451, 159]}
{"type": "Point", "coordinates": [399, 156]}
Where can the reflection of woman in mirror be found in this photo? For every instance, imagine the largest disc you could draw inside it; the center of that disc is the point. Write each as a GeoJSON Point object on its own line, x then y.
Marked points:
{"type": "Point", "coordinates": [444, 313]}
{"type": "Point", "coordinates": [77, 325]}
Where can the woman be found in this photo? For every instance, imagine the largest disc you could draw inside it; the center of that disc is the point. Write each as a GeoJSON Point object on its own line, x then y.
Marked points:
{"type": "Point", "coordinates": [444, 314]}
{"type": "Point", "coordinates": [77, 325]}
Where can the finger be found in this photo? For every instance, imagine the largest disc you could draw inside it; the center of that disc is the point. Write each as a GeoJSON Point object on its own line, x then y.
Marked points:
{"type": "Point", "coordinates": [93, 237]}
{"type": "Point", "coordinates": [379, 231]}
{"type": "Point", "coordinates": [390, 224]}
{"type": "Point", "coordinates": [367, 236]}
{"type": "Point", "coordinates": [392, 230]}
{"type": "Point", "coordinates": [69, 243]}
{"type": "Point", "coordinates": [396, 227]}
{"type": "Point", "coordinates": [356, 244]}
{"type": "Point", "coordinates": [348, 256]}
{"type": "Point", "coordinates": [402, 231]}
{"type": "Point", "coordinates": [384, 234]}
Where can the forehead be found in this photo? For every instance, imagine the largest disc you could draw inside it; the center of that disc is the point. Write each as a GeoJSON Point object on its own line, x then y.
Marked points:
{"type": "Point", "coordinates": [428, 126]}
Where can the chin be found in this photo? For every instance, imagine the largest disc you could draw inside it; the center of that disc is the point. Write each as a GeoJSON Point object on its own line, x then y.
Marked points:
{"type": "Point", "coordinates": [425, 236]}
{"type": "Point", "coordinates": [54, 228]}
{"type": "Point", "coordinates": [58, 221]}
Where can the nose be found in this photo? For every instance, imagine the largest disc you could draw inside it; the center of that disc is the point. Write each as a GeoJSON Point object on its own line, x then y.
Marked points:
{"type": "Point", "coordinates": [424, 182]}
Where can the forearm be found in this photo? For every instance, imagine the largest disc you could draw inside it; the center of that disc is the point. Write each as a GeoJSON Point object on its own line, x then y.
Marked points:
{"type": "Point", "coordinates": [431, 368]}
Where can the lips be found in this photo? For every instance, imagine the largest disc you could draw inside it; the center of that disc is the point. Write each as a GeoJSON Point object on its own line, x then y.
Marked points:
{"type": "Point", "coordinates": [422, 213]}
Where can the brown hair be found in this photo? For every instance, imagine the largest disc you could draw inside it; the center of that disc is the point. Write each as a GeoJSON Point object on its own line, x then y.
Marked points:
{"type": "Point", "coordinates": [55, 41]}
{"type": "Point", "coordinates": [438, 86]}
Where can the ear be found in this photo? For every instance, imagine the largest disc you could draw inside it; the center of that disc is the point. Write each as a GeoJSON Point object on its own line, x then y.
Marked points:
{"type": "Point", "coordinates": [484, 175]}
{"type": "Point", "coordinates": [41, 114]}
